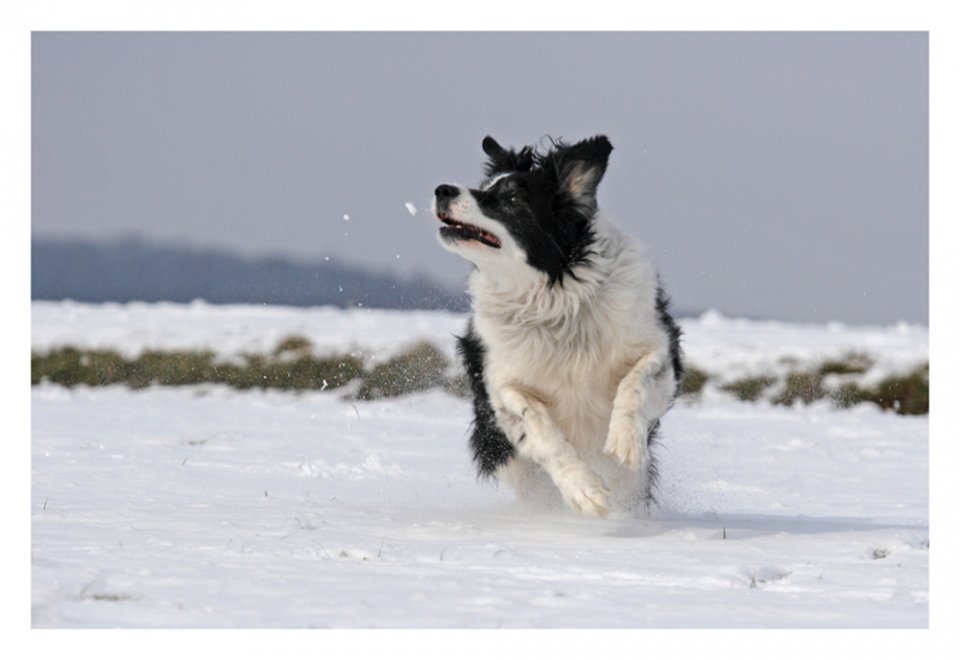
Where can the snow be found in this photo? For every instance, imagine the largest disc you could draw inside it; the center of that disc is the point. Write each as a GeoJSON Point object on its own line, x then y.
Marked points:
{"type": "Point", "coordinates": [727, 347]}
{"type": "Point", "coordinates": [205, 507]}
{"type": "Point", "coordinates": [734, 348]}
{"type": "Point", "coordinates": [231, 330]}
{"type": "Point", "coordinates": [411, 209]}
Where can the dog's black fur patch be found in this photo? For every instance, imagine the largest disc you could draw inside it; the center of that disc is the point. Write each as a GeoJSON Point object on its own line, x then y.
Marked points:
{"type": "Point", "coordinates": [676, 362]}
{"type": "Point", "coordinates": [548, 201]}
{"type": "Point", "coordinates": [673, 332]}
{"type": "Point", "coordinates": [490, 445]}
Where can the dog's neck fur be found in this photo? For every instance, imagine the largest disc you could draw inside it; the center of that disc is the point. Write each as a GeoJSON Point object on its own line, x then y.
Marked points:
{"type": "Point", "coordinates": [524, 297]}
{"type": "Point", "coordinates": [583, 323]}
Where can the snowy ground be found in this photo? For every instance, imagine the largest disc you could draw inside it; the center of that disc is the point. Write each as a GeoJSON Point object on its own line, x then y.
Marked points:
{"type": "Point", "coordinates": [728, 347]}
{"type": "Point", "coordinates": [208, 507]}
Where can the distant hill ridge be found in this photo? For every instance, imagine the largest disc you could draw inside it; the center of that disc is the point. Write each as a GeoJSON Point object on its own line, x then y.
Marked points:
{"type": "Point", "coordinates": [133, 269]}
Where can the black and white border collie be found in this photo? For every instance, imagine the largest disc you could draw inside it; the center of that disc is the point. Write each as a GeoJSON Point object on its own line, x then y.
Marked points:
{"type": "Point", "coordinates": [571, 353]}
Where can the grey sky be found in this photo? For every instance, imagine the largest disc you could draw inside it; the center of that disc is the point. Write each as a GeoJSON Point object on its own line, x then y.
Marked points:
{"type": "Point", "coordinates": [778, 175]}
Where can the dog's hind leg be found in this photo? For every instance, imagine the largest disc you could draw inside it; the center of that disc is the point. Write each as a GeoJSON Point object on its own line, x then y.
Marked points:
{"type": "Point", "coordinates": [526, 420]}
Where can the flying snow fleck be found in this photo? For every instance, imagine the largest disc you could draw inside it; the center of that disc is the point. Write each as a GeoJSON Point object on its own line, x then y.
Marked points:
{"type": "Point", "coordinates": [346, 217]}
{"type": "Point", "coordinates": [411, 209]}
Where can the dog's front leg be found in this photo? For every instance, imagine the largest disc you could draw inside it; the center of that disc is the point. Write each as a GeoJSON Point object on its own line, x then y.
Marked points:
{"type": "Point", "coordinates": [527, 423]}
{"type": "Point", "coordinates": [643, 396]}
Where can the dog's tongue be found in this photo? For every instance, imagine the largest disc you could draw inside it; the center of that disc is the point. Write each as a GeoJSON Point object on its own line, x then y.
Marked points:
{"type": "Point", "coordinates": [490, 237]}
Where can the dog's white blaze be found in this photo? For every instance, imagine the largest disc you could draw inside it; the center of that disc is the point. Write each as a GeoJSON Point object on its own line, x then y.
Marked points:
{"type": "Point", "coordinates": [489, 184]}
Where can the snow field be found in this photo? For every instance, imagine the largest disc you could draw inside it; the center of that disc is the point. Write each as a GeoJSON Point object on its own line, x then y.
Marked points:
{"type": "Point", "coordinates": [206, 507]}
{"type": "Point", "coordinates": [730, 348]}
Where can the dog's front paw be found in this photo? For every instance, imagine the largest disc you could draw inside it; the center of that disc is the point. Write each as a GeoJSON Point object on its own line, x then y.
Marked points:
{"type": "Point", "coordinates": [589, 497]}
{"type": "Point", "coordinates": [627, 442]}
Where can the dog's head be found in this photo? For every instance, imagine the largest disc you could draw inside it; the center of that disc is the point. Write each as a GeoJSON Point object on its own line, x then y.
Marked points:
{"type": "Point", "coordinates": [535, 208]}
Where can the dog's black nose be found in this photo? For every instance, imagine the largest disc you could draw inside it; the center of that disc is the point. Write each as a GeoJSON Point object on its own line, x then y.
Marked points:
{"type": "Point", "coordinates": [446, 192]}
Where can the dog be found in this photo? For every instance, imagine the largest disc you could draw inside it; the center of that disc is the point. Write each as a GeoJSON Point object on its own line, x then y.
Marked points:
{"type": "Point", "coordinates": [571, 353]}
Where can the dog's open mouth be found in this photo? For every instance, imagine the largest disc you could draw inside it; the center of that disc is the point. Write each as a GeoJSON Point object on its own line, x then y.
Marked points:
{"type": "Point", "coordinates": [461, 231]}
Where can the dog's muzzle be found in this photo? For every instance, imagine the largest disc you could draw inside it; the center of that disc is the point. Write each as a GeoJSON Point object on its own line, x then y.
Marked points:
{"type": "Point", "coordinates": [456, 230]}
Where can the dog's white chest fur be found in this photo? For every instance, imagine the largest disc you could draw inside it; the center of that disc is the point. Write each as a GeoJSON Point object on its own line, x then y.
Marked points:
{"type": "Point", "coordinates": [571, 346]}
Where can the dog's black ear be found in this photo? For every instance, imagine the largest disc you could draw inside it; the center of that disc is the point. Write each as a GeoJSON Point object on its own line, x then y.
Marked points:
{"type": "Point", "coordinates": [580, 168]}
{"type": "Point", "coordinates": [505, 160]}
{"type": "Point", "coordinates": [492, 148]}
